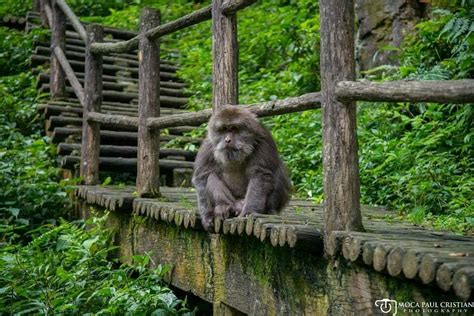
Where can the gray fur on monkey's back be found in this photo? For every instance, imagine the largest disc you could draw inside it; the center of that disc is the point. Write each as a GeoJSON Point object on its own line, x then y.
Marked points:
{"type": "Point", "coordinates": [247, 178]}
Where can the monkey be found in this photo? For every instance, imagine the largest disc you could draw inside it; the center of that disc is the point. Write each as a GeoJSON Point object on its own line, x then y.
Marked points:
{"type": "Point", "coordinates": [238, 170]}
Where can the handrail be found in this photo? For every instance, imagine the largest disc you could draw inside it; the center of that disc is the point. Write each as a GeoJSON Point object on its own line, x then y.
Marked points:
{"type": "Point", "coordinates": [446, 91]}
{"type": "Point", "coordinates": [49, 13]}
{"type": "Point", "coordinates": [188, 20]}
{"type": "Point", "coordinates": [76, 23]}
{"type": "Point", "coordinates": [309, 101]}
{"type": "Point", "coordinates": [70, 74]}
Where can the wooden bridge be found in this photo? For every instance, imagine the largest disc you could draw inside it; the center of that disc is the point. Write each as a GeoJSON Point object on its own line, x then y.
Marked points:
{"type": "Point", "coordinates": [110, 97]}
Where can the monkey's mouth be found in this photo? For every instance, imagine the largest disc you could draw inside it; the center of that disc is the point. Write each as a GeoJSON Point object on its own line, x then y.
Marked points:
{"type": "Point", "coordinates": [230, 154]}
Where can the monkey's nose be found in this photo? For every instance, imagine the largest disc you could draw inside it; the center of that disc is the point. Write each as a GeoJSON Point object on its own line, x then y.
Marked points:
{"type": "Point", "coordinates": [227, 140]}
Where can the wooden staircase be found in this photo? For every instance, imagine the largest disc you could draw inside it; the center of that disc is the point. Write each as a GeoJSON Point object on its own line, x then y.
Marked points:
{"type": "Point", "coordinates": [118, 151]}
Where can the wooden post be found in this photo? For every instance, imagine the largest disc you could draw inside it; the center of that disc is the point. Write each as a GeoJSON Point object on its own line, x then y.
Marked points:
{"type": "Point", "coordinates": [43, 15]}
{"type": "Point", "coordinates": [224, 57]}
{"type": "Point", "coordinates": [57, 80]}
{"type": "Point", "coordinates": [36, 5]}
{"type": "Point", "coordinates": [148, 169]}
{"type": "Point", "coordinates": [92, 101]}
{"type": "Point", "coordinates": [340, 160]}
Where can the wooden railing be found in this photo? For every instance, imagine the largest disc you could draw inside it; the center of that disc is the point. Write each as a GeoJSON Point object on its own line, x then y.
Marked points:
{"type": "Point", "coordinates": [338, 95]}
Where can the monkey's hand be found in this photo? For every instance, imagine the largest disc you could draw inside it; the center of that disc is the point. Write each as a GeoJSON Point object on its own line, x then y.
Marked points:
{"type": "Point", "coordinates": [223, 211]}
{"type": "Point", "coordinates": [238, 207]}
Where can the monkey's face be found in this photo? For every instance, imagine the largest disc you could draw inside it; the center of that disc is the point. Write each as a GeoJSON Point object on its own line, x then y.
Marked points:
{"type": "Point", "coordinates": [231, 135]}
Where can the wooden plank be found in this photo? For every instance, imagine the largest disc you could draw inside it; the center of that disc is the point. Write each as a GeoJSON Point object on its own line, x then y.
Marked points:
{"type": "Point", "coordinates": [340, 160]}
{"type": "Point", "coordinates": [89, 169]}
{"type": "Point", "coordinates": [71, 76]}
{"type": "Point", "coordinates": [58, 39]}
{"type": "Point", "coordinates": [148, 168]}
{"type": "Point", "coordinates": [224, 57]}
{"type": "Point", "coordinates": [446, 91]}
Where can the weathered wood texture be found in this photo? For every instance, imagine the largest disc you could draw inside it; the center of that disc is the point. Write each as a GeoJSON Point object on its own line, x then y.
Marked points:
{"type": "Point", "coordinates": [89, 169]}
{"type": "Point", "coordinates": [178, 24]}
{"type": "Point", "coordinates": [446, 91]}
{"type": "Point", "coordinates": [230, 7]}
{"type": "Point", "coordinates": [46, 13]}
{"type": "Point", "coordinates": [76, 23]}
{"type": "Point", "coordinates": [305, 102]}
{"type": "Point", "coordinates": [236, 268]}
{"type": "Point", "coordinates": [71, 76]}
{"type": "Point", "coordinates": [225, 54]}
{"type": "Point", "coordinates": [148, 169]}
{"type": "Point", "coordinates": [64, 149]}
{"type": "Point", "coordinates": [58, 37]}
{"type": "Point", "coordinates": [340, 160]}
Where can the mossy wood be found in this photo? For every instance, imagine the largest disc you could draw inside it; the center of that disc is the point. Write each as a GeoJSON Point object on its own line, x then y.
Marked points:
{"type": "Point", "coordinates": [291, 277]}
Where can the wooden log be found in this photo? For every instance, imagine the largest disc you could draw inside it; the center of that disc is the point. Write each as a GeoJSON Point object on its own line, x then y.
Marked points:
{"type": "Point", "coordinates": [64, 149]}
{"type": "Point", "coordinates": [445, 273]}
{"type": "Point", "coordinates": [114, 137]}
{"type": "Point", "coordinates": [73, 18]}
{"type": "Point", "coordinates": [46, 13]}
{"type": "Point", "coordinates": [77, 53]}
{"type": "Point", "coordinates": [340, 160]}
{"type": "Point", "coordinates": [463, 283]}
{"type": "Point", "coordinates": [114, 120]}
{"type": "Point", "coordinates": [109, 69]}
{"type": "Point", "coordinates": [413, 257]}
{"type": "Point", "coordinates": [167, 84]}
{"type": "Point", "coordinates": [304, 237]}
{"type": "Point", "coordinates": [74, 120]}
{"type": "Point", "coordinates": [148, 169]}
{"type": "Point", "coordinates": [58, 37]}
{"type": "Point", "coordinates": [290, 105]}
{"type": "Point", "coordinates": [224, 57]}
{"type": "Point", "coordinates": [368, 250]}
{"type": "Point", "coordinates": [395, 261]}
{"type": "Point", "coordinates": [178, 24]}
{"type": "Point", "coordinates": [91, 134]}
{"type": "Point", "coordinates": [124, 97]}
{"type": "Point", "coordinates": [430, 263]}
{"type": "Point", "coordinates": [446, 91]}
{"type": "Point", "coordinates": [274, 235]}
{"type": "Point", "coordinates": [230, 7]}
{"type": "Point", "coordinates": [380, 256]}
{"type": "Point", "coordinates": [123, 86]}
{"type": "Point", "coordinates": [71, 76]}
{"type": "Point", "coordinates": [120, 164]}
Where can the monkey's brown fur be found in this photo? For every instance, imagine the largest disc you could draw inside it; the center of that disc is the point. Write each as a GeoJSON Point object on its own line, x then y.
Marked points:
{"type": "Point", "coordinates": [238, 170]}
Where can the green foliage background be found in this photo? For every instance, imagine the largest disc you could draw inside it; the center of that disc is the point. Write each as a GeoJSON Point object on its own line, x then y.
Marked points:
{"type": "Point", "coordinates": [416, 159]}
{"type": "Point", "coordinates": [49, 265]}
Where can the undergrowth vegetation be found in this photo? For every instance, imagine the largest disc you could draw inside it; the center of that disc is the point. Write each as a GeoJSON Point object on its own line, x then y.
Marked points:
{"type": "Point", "coordinates": [49, 265]}
{"type": "Point", "coordinates": [414, 158]}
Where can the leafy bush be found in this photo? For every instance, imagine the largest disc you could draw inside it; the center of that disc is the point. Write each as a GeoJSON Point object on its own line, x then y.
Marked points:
{"type": "Point", "coordinates": [31, 194]}
{"type": "Point", "coordinates": [66, 270]}
{"type": "Point", "coordinates": [15, 7]}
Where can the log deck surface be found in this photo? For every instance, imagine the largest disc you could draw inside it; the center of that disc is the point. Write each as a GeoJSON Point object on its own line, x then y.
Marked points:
{"type": "Point", "coordinates": [393, 247]}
